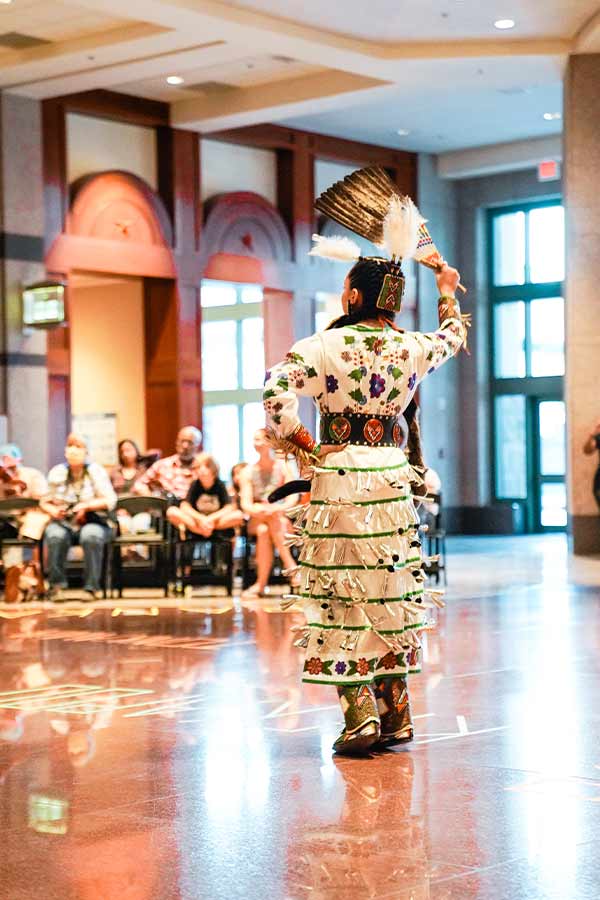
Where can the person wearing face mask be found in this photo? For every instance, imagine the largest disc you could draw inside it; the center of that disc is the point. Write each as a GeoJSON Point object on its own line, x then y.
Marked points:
{"type": "Point", "coordinates": [79, 498]}
{"type": "Point", "coordinates": [173, 476]}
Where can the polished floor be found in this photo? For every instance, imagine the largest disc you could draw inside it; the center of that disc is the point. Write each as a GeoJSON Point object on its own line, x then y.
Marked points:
{"type": "Point", "coordinates": [153, 751]}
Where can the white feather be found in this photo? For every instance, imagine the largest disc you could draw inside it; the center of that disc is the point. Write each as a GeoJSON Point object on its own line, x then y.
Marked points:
{"type": "Point", "coordinates": [340, 248]}
{"type": "Point", "coordinates": [401, 228]}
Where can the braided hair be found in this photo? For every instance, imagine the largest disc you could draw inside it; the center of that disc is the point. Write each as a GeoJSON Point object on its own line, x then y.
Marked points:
{"type": "Point", "coordinates": [366, 276]}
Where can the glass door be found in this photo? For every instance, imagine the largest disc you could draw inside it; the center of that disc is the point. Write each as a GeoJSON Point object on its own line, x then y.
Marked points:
{"type": "Point", "coordinates": [550, 444]}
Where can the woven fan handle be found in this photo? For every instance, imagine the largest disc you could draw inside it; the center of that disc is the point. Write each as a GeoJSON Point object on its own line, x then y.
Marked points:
{"type": "Point", "coordinates": [436, 268]}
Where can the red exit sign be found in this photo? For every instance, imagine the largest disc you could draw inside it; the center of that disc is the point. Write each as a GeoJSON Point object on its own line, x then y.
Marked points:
{"type": "Point", "coordinates": [549, 170]}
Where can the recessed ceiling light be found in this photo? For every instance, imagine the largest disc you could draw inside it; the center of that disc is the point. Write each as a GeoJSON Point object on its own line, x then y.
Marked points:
{"type": "Point", "coordinates": [175, 79]}
{"type": "Point", "coordinates": [504, 24]}
{"type": "Point", "coordinates": [402, 132]}
{"type": "Point", "coordinates": [552, 117]}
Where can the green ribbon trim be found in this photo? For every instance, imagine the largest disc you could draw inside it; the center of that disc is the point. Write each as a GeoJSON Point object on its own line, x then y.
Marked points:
{"type": "Point", "coordinates": [370, 600]}
{"type": "Point", "coordinates": [411, 559]}
{"type": "Point", "coordinates": [354, 537]}
{"type": "Point", "coordinates": [358, 502]}
{"type": "Point", "coordinates": [365, 628]}
{"type": "Point", "coordinates": [372, 469]}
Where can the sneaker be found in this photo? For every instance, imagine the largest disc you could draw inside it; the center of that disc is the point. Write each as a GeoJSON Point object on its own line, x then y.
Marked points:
{"type": "Point", "coordinates": [92, 594]}
{"type": "Point", "coordinates": [56, 593]}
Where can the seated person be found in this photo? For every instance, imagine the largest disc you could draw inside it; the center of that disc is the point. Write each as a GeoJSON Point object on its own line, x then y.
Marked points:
{"type": "Point", "coordinates": [123, 476]}
{"type": "Point", "coordinates": [129, 468]}
{"type": "Point", "coordinates": [79, 498]}
{"type": "Point", "coordinates": [207, 510]}
{"type": "Point", "coordinates": [17, 480]}
{"type": "Point", "coordinates": [173, 475]}
{"type": "Point", "coordinates": [267, 520]}
{"type": "Point", "coordinates": [234, 491]}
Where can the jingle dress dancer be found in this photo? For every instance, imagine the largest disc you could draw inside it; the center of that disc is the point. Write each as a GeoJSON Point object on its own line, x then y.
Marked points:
{"type": "Point", "coordinates": [362, 580]}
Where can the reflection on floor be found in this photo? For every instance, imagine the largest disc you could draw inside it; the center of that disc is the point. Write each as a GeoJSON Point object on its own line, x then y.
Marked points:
{"type": "Point", "coordinates": [156, 751]}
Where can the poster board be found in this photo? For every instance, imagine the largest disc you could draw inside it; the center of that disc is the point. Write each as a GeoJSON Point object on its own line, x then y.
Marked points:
{"type": "Point", "coordinates": [100, 433]}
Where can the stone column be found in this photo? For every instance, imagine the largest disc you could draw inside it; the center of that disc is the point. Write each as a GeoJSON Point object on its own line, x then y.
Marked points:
{"type": "Point", "coordinates": [23, 372]}
{"type": "Point", "coordinates": [582, 152]}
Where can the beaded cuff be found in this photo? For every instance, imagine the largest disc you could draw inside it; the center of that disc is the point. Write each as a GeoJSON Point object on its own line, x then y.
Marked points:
{"type": "Point", "coordinates": [302, 439]}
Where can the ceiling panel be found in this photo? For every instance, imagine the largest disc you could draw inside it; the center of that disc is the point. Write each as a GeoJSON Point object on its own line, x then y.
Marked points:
{"type": "Point", "coordinates": [384, 20]}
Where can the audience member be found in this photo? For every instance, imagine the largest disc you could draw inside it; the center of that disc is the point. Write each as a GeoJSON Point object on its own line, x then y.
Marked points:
{"type": "Point", "coordinates": [591, 446]}
{"type": "Point", "coordinates": [173, 476]}
{"type": "Point", "coordinates": [235, 483]}
{"type": "Point", "coordinates": [129, 468]}
{"type": "Point", "coordinates": [17, 480]}
{"type": "Point", "coordinates": [207, 510]}
{"type": "Point", "coordinates": [79, 498]}
{"type": "Point", "coordinates": [267, 520]}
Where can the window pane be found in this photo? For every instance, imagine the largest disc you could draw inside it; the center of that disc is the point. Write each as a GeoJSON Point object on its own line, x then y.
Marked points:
{"type": "Point", "coordinates": [547, 244]}
{"type": "Point", "coordinates": [218, 293]}
{"type": "Point", "coordinates": [554, 505]}
{"type": "Point", "coordinates": [253, 353]}
{"type": "Point", "coordinates": [254, 418]}
{"type": "Point", "coordinates": [251, 293]}
{"type": "Point", "coordinates": [509, 248]}
{"type": "Point", "coordinates": [548, 336]}
{"type": "Point", "coordinates": [219, 356]}
{"type": "Point", "coordinates": [509, 340]}
{"type": "Point", "coordinates": [511, 459]}
{"type": "Point", "coordinates": [221, 436]}
{"type": "Point", "coordinates": [552, 437]}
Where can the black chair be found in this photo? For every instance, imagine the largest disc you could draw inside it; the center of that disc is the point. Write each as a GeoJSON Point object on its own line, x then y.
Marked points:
{"type": "Point", "coordinates": [10, 511]}
{"type": "Point", "coordinates": [202, 562]}
{"type": "Point", "coordinates": [436, 542]}
{"type": "Point", "coordinates": [153, 572]}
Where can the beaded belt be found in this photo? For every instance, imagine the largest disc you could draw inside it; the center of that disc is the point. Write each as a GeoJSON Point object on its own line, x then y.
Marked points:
{"type": "Point", "coordinates": [363, 429]}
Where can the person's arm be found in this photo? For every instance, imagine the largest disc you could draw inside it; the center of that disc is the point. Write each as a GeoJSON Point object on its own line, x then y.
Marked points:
{"type": "Point", "coordinates": [436, 347]}
{"type": "Point", "coordinates": [50, 503]}
{"type": "Point", "coordinates": [105, 497]}
{"type": "Point", "coordinates": [189, 504]}
{"type": "Point", "coordinates": [142, 485]}
{"type": "Point", "coordinates": [300, 374]}
{"type": "Point", "coordinates": [247, 503]}
{"type": "Point", "coordinates": [39, 486]}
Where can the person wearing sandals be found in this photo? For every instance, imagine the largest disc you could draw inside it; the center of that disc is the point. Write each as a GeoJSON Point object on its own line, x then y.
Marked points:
{"type": "Point", "coordinates": [267, 521]}
{"type": "Point", "coordinates": [362, 585]}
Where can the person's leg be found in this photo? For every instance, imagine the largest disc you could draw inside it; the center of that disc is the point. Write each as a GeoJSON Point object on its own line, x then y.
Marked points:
{"type": "Point", "coordinates": [57, 540]}
{"type": "Point", "coordinates": [264, 556]}
{"type": "Point", "coordinates": [92, 538]}
{"type": "Point", "coordinates": [231, 518]}
{"type": "Point", "coordinates": [277, 532]}
{"type": "Point", "coordinates": [185, 519]}
{"type": "Point", "coordinates": [361, 717]}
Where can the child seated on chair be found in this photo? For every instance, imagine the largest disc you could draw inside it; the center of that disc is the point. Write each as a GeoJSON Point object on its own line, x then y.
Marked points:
{"type": "Point", "coordinates": [207, 510]}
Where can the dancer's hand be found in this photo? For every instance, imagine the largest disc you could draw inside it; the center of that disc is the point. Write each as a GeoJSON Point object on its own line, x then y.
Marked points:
{"type": "Point", "coordinates": [447, 280]}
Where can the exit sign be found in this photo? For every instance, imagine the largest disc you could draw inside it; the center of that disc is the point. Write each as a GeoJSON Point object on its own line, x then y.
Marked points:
{"type": "Point", "coordinates": [549, 170]}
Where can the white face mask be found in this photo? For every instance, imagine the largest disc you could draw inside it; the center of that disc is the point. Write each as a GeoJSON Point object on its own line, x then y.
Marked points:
{"type": "Point", "coordinates": [75, 456]}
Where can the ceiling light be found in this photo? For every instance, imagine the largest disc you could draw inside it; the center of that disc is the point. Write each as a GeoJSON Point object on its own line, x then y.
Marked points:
{"type": "Point", "coordinates": [552, 117]}
{"type": "Point", "coordinates": [504, 24]}
{"type": "Point", "coordinates": [402, 132]}
{"type": "Point", "coordinates": [175, 79]}
{"type": "Point", "coordinates": [6, 2]}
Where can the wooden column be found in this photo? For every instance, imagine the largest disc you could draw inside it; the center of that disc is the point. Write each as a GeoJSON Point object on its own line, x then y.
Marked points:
{"type": "Point", "coordinates": [173, 366]}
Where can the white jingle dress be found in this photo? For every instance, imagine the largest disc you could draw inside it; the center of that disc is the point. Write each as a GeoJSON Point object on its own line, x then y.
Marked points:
{"type": "Point", "coordinates": [362, 585]}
